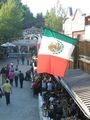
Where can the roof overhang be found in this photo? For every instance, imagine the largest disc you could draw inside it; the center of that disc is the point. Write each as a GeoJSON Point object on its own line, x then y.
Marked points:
{"type": "Point", "coordinates": [77, 84]}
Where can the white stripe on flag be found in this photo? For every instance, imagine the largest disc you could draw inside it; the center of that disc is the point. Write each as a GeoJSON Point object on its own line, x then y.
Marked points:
{"type": "Point", "coordinates": [66, 53]}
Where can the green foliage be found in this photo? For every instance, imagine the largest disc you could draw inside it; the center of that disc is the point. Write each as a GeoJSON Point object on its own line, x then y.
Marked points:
{"type": "Point", "coordinates": [28, 17]}
{"type": "Point", "coordinates": [11, 17]}
{"type": "Point", "coordinates": [30, 20]}
{"type": "Point", "coordinates": [54, 19]}
{"type": "Point", "coordinates": [2, 2]}
{"type": "Point", "coordinates": [39, 20]}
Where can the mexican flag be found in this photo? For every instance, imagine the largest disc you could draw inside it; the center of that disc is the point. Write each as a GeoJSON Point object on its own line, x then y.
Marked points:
{"type": "Point", "coordinates": [54, 53]}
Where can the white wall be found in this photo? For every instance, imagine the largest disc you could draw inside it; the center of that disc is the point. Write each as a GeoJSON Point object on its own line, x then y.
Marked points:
{"type": "Point", "coordinates": [67, 27]}
{"type": "Point", "coordinates": [87, 33]}
{"type": "Point", "coordinates": [78, 23]}
{"type": "Point", "coordinates": [74, 23]}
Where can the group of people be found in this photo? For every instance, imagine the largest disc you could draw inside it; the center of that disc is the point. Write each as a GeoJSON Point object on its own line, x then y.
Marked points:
{"type": "Point", "coordinates": [41, 84]}
{"type": "Point", "coordinates": [56, 102]}
{"type": "Point", "coordinates": [9, 75]}
{"type": "Point", "coordinates": [12, 75]}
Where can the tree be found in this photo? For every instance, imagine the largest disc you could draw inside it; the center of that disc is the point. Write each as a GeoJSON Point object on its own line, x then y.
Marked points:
{"type": "Point", "coordinates": [60, 10]}
{"type": "Point", "coordinates": [11, 18]}
{"type": "Point", "coordinates": [2, 2]}
{"type": "Point", "coordinates": [54, 19]}
{"type": "Point", "coordinates": [28, 17]}
{"type": "Point", "coordinates": [39, 20]}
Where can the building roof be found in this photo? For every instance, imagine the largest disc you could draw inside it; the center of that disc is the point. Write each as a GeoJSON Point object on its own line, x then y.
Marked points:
{"type": "Point", "coordinates": [77, 83]}
{"type": "Point", "coordinates": [25, 42]}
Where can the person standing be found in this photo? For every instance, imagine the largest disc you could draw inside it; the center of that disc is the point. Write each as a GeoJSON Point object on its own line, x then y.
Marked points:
{"type": "Point", "coordinates": [44, 85]}
{"type": "Point", "coordinates": [21, 78]}
{"type": "Point", "coordinates": [11, 66]}
{"type": "Point", "coordinates": [7, 70]}
{"type": "Point", "coordinates": [7, 89]}
{"type": "Point", "coordinates": [49, 86]}
{"type": "Point", "coordinates": [1, 92]}
{"type": "Point", "coordinates": [11, 77]}
{"type": "Point", "coordinates": [27, 61]}
{"type": "Point", "coordinates": [22, 59]}
{"type": "Point", "coordinates": [3, 73]}
{"type": "Point", "coordinates": [32, 70]}
{"type": "Point", "coordinates": [16, 67]}
{"type": "Point", "coordinates": [16, 74]}
{"type": "Point", "coordinates": [17, 60]}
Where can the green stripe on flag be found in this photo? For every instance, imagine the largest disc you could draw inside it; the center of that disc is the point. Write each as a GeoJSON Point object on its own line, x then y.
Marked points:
{"type": "Point", "coordinates": [50, 33]}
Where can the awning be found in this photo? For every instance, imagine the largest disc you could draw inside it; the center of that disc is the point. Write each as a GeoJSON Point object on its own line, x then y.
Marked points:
{"type": "Point", "coordinates": [8, 44]}
{"type": "Point", "coordinates": [25, 42]}
{"type": "Point", "coordinates": [77, 84]}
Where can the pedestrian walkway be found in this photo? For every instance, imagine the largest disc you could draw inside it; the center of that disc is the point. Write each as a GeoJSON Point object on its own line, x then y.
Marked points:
{"type": "Point", "coordinates": [24, 106]}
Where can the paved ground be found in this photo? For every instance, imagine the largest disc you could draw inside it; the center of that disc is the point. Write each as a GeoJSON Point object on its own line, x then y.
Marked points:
{"type": "Point", "coordinates": [23, 105]}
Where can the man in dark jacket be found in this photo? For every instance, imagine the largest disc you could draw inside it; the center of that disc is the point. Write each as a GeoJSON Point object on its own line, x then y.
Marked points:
{"type": "Point", "coordinates": [3, 73]}
{"type": "Point", "coordinates": [28, 75]}
{"type": "Point", "coordinates": [21, 78]}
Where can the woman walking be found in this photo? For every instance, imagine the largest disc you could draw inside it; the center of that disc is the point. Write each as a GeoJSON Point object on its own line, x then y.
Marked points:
{"type": "Point", "coordinates": [11, 77]}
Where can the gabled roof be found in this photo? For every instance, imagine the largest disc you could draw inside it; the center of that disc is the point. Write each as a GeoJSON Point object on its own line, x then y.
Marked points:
{"type": "Point", "coordinates": [77, 11]}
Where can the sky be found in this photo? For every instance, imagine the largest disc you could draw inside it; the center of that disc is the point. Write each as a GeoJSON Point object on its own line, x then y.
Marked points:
{"type": "Point", "coordinates": [38, 6]}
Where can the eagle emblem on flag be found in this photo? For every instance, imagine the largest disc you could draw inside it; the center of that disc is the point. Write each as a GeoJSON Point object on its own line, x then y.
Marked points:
{"type": "Point", "coordinates": [55, 47]}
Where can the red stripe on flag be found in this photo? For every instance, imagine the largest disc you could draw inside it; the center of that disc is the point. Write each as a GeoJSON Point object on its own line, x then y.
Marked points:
{"type": "Point", "coordinates": [52, 65]}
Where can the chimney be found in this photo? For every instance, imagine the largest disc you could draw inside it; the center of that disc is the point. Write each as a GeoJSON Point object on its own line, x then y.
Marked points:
{"type": "Point", "coordinates": [69, 11]}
